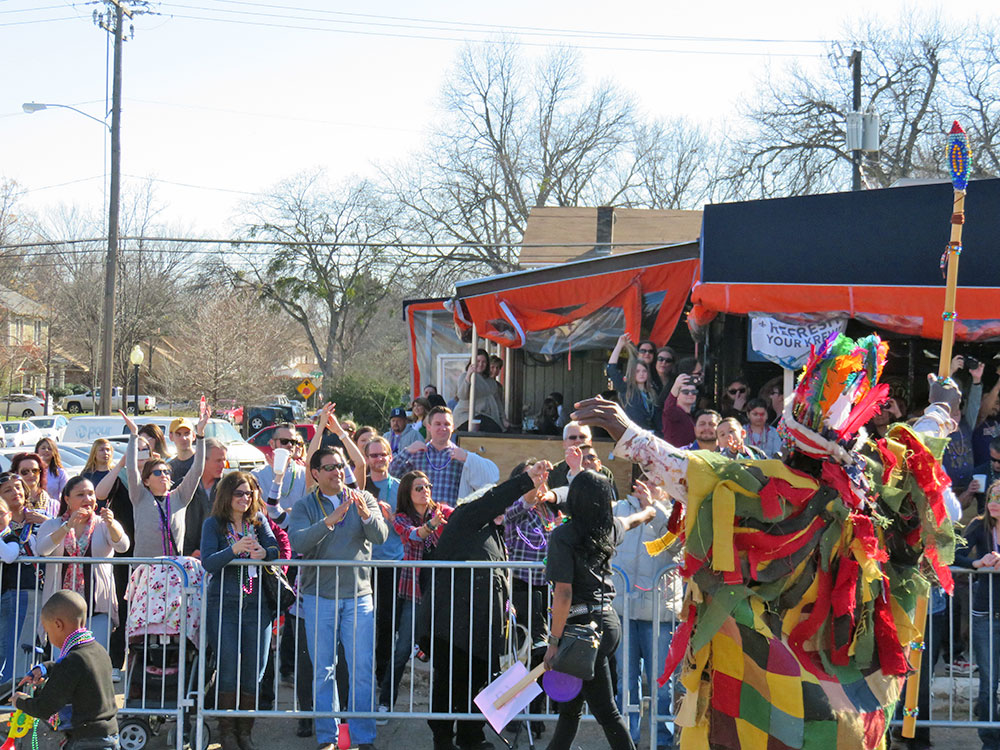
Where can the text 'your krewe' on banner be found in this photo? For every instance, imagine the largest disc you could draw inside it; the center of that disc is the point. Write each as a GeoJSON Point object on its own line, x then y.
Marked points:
{"type": "Point", "coordinates": [788, 343]}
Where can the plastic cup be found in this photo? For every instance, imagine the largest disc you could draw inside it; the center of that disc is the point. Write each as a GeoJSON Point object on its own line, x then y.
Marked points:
{"type": "Point", "coordinates": [981, 479]}
{"type": "Point", "coordinates": [280, 460]}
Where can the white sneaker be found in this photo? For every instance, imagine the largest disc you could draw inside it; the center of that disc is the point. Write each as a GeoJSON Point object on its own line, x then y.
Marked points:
{"type": "Point", "coordinates": [116, 675]}
{"type": "Point", "coordinates": [383, 721]}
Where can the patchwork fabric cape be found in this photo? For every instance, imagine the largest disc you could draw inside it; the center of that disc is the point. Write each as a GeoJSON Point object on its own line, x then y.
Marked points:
{"type": "Point", "coordinates": [801, 589]}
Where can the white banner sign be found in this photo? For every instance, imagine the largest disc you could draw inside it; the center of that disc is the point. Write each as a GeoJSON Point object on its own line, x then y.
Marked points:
{"type": "Point", "coordinates": [788, 344]}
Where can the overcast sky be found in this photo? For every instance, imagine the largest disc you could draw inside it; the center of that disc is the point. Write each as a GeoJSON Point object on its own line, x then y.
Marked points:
{"type": "Point", "coordinates": [225, 98]}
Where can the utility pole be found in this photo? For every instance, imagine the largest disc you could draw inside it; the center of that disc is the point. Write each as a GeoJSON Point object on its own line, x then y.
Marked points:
{"type": "Point", "coordinates": [856, 153]}
{"type": "Point", "coordinates": [114, 205]}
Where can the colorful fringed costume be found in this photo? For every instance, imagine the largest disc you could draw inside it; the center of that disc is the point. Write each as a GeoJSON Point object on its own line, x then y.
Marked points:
{"type": "Point", "coordinates": [802, 577]}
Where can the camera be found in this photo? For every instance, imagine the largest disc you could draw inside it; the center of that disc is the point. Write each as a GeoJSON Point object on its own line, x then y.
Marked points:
{"type": "Point", "coordinates": [697, 379]}
{"type": "Point", "coordinates": [971, 363]}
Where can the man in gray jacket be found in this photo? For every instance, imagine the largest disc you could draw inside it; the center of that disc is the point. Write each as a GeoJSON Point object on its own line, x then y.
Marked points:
{"type": "Point", "coordinates": [335, 522]}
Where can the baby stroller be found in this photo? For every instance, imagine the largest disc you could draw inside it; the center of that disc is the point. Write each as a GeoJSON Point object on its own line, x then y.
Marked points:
{"type": "Point", "coordinates": [159, 630]}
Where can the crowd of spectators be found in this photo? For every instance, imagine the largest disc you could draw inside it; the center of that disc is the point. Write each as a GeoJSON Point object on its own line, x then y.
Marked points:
{"type": "Point", "coordinates": [411, 495]}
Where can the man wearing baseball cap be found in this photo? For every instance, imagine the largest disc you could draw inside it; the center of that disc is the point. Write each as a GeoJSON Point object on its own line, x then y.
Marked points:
{"type": "Point", "coordinates": [397, 423]}
{"type": "Point", "coordinates": [181, 434]}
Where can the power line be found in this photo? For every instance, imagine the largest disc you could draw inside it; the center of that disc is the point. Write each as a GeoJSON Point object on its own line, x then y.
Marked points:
{"type": "Point", "coordinates": [40, 20]}
{"type": "Point", "coordinates": [479, 28]}
{"type": "Point", "coordinates": [490, 41]}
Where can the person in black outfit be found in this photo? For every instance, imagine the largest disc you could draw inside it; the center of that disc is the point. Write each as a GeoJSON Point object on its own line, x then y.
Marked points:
{"type": "Point", "coordinates": [466, 638]}
{"type": "Point", "coordinates": [80, 677]}
{"type": "Point", "coordinates": [579, 567]}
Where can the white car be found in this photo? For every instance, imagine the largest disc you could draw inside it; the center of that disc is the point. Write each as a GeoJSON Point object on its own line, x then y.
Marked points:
{"type": "Point", "coordinates": [23, 405]}
{"type": "Point", "coordinates": [51, 427]}
{"type": "Point", "coordinates": [72, 461]}
{"type": "Point", "coordinates": [20, 432]}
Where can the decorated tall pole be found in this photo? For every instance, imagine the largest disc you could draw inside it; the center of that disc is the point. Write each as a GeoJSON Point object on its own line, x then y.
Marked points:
{"type": "Point", "coordinates": [958, 165]}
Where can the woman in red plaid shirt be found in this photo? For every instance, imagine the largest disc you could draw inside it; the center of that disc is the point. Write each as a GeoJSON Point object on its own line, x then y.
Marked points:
{"type": "Point", "coordinates": [419, 522]}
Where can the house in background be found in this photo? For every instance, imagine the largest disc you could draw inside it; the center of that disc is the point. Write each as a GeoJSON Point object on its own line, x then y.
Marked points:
{"type": "Point", "coordinates": [26, 352]}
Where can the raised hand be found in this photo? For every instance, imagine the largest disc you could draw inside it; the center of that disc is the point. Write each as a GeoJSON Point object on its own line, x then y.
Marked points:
{"type": "Point", "coordinates": [130, 423]}
{"type": "Point", "coordinates": [574, 459]}
{"type": "Point", "coordinates": [539, 472]}
{"type": "Point", "coordinates": [599, 412]}
{"type": "Point", "coordinates": [206, 414]}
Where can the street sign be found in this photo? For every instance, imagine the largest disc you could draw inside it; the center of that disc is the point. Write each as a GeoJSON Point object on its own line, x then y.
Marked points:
{"type": "Point", "coordinates": [306, 388]}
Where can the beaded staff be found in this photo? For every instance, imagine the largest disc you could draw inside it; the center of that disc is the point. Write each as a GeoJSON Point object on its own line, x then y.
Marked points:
{"type": "Point", "coordinates": [958, 166]}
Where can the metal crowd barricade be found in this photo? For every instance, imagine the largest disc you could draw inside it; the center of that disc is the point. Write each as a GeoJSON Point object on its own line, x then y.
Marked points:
{"type": "Point", "coordinates": [155, 658]}
{"type": "Point", "coordinates": [453, 586]}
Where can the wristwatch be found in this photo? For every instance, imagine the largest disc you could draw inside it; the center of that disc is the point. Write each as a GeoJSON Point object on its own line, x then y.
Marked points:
{"type": "Point", "coordinates": [554, 640]}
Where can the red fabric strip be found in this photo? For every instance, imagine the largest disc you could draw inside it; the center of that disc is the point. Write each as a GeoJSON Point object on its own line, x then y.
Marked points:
{"type": "Point", "coordinates": [678, 645]}
{"type": "Point", "coordinates": [890, 652]}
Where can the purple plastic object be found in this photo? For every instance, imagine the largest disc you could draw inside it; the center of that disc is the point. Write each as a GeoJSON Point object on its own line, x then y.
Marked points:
{"type": "Point", "coordinates": [561, 687]}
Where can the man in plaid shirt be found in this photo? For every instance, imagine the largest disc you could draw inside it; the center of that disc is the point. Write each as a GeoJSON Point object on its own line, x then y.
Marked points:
{"type": "Point", "coordinates": [453, 471]}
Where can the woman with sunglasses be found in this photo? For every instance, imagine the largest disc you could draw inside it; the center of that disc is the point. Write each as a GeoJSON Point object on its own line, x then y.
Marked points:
{"type": "Point", "coordinates": [239, 621]}
{"type": "Point", "coordinates": [55, 475]}
{"type": "Point", "coordinates": [18, 525]}
{"type": "Point", "coordinates": [158, 510]}
{"type": "Point", "coordinates": [419, 522]}
{"type": "Point", "coordinates": [31, 469]}
{"type": "Point", "coordinates": [81, 530]}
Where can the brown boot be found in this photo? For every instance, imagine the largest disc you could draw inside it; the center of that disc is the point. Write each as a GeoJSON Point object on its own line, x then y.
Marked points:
{"type": "Point", "coordinates": [244, 725]}
{"type": "Point", "coordinates": [227, 724]}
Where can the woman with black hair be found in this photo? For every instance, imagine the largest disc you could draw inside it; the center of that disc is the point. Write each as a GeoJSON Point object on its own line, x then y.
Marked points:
{"type": "Point", "coordinates": [579, 568]}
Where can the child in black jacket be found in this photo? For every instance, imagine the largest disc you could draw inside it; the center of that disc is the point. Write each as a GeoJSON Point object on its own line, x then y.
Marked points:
{"type": "Point", "coordinates": [79, 678]}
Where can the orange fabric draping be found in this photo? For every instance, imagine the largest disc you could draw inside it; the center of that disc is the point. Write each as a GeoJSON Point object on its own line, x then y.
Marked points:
{"type": "Point", "coordinates": [530, 308]}
{"type": "Point", "coordinates": [904, 309]}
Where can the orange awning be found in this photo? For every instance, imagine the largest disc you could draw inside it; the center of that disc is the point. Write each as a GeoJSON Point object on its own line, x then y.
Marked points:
{"type": "Point", "coordinates": [507, 308]}
{"type": "Point", "coordinates": [908, 310]}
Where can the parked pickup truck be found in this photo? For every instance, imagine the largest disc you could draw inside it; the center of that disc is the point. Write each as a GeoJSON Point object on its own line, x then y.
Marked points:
{"type": "Point", "coordinates": [75, 404]}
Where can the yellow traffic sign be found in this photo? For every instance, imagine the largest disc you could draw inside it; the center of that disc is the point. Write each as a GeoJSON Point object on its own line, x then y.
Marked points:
{"type": "Point", "coordinates": [306, 388]}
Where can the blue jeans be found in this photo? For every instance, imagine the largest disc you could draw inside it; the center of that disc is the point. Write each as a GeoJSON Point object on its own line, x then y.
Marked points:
{"type": "Point", "coordinates": [240, 641]}
{"type": "Point", "coordinates": [13, 608]}
{"type": "Point", "coordinates": [352, 623]}
{"type": "Point", "coordinates": [639, 657]}
{"type": "Point", "coordinates": [400, 655]}
{"type": "Point", "coordinates": [986, 647]}
{"type": "Point", "coordinates": [93, 743]}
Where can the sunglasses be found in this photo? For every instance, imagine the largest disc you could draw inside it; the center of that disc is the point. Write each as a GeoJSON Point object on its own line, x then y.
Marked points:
{"type": "Point", "coordinates": [668, 360]}
{"type": "Point", "coordinates": [378, 455]}
{"type": "Point", "coordinates": [576, 437]}
{"type": "Point", "coordinates": [161, 472]}
{"type": "Point", "coordinates": [646, 351]}
{"type": "Point", "coordinates": [289, 441]}
{"type": "Point", "coordinates": [992, 461]}
{"type": "Point", "coordinates": [689, 391]}
{"type": "Point", "coordinates": [28, 472]}
{"type": "Point", "coordinates": [737, 391]}
{"type": "Point", "coordinates": [332, 467]}
{"type": "Point", "coordinates": [242, 493]}
{"type": "Point", "coordinates": [589, 457]}
{"type": "Point", "coordinates": [422, 487]}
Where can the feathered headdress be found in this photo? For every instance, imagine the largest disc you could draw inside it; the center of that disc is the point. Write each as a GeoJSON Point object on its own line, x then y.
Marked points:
{"type": "Point", "coordinates": [837, 393]}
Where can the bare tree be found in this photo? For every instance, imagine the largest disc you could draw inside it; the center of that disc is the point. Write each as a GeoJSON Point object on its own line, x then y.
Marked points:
{"type": "Point", "coordinates": [334, 264]}
{"type": "Point", "coordinates": [914, 75]}
{"type": "Point", "coordinates": [232, 343]}
{"type": "Point", "coordinates": [515, 136]}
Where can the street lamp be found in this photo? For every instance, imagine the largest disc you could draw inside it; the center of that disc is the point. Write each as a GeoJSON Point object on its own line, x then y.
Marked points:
{"type": "Point", "coordinates": [32, 107]}
{"type": "Point", "coordinates": [114, 205]}
{"type": "Point", "coordinates": [136, 357]}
